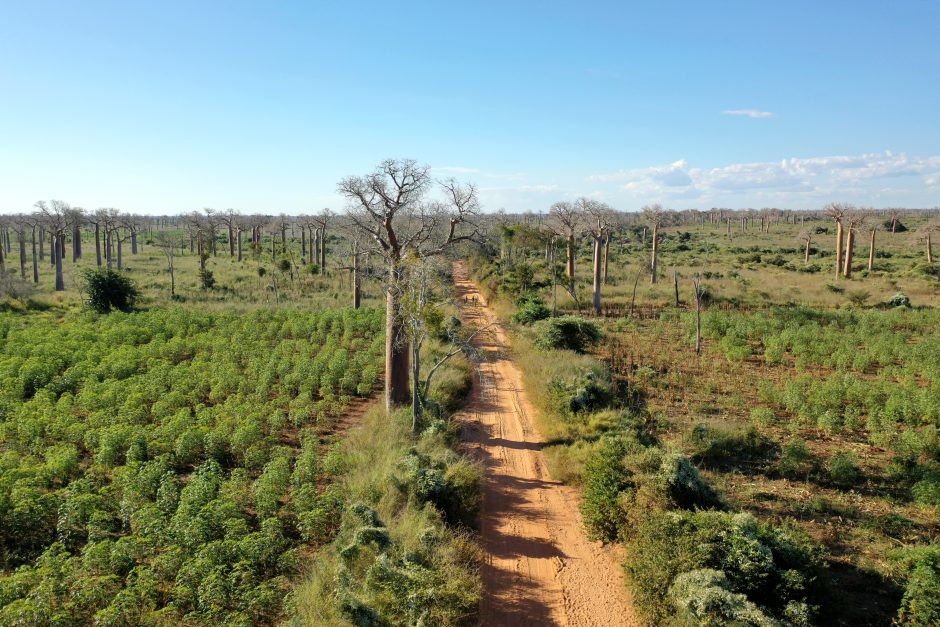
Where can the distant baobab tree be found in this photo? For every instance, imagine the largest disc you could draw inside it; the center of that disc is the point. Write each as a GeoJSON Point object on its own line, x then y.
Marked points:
{"type": "Point", "coordinates": [567, 218]}
{"type": "Point", "coordinates": [599, 217]}
{"type": "Point", "coordinates": [838, 211]}
{"type": "Point", "coordinates": [806, 236]}
{"type": "Point", "coordinates": [389, 206]}
{"type": "Point", "coordinates": [655, 215]}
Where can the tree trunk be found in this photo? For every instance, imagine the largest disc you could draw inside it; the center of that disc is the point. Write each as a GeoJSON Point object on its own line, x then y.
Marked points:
{"type": "Point", "coordinates": [849, 251]}
{"type": "Point", "coordinates": [76, 243]}
{"type": "Point", "coordinates": [871, 251]}
{"type": "Point", "coordinates": [107, 246]}
{"type": "Point", "coordinates": [698, 316]}
{"type": "Point", "coordinates": [120, 242]}
{"type": "Point", "coordinates": [929, 249]}
{"type": "Point", "coordinates": [417, 407]}
{"type": "Point", "coordinates": [606, 255]}
{"type": "Point", "coordinates": [396, 346]}
{"type": "Point", "coordinates": [597, 276]}
{"type": "Point", "coordinates": [894, 224]}
{"type": "Point", "coordinates": [840, 236]}
{"type": "Point", "coordinates": [303, 243]}
{"type": "Point", "coordinates": [806, 255]}
{"type": "Point", "coordinates": [35, 264]}
{"type": "Point", "coordinates": [654, 261]}
{"type": "Point", "coordinates": [57, 255]}
{"type": "Point", "coordinates": [569, 268]}
{"type": "Point", "coordinates": [356, 281]}
{"type": "Point", "coordinates": [133, 242]}
{"type": "Point", "coordinates": [675, 281]}
{"type": "Point", "coordinates": [316, 249]}
{"type": "Point", "coordinates": [22, 238]}
{"type": "Point", "coordinates": [323, 252]}
{"type": "Point", "coordinates": [172, 280]}
{"type": "Point", "coordinates": [98, 244]}
{"type": "Point", "coordinates": [231, 241]}
{"type": "Point", "coordinates": [238, 234]}
{"type": "Point", "coordinates": [42, 244]}
{"type": "Point", "coordinates": [202, 257]}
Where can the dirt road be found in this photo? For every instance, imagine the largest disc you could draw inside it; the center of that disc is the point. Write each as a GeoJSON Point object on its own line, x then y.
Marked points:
{"type": "Point", "coordinates": [540, 569]}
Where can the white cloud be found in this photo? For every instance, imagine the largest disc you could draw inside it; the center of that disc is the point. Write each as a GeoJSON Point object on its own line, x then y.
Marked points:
{"type": "Point", "coordinates": [749, 113]}
{"type": "Point", "coordinates": [792, 178]}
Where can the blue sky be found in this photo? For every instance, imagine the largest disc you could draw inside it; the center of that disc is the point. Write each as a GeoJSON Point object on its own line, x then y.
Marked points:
{"type": "Point", "coordinates": [172, 106]}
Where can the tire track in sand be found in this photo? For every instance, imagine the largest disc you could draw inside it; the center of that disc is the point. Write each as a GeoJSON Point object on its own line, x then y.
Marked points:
{"type": "Point", "coordinates": [539, 567]}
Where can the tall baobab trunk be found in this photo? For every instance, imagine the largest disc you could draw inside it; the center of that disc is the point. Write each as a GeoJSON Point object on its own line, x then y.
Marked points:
{"type": "Point", "coordinates": [806, 254]}
{"type": "Point", "coordinates": [42, 244]}
{"type": "Point", "coordinates": [929, 249]}
{"type": "Point", "coordinates": [202, 257]}
{"type": "Point", "coordinates": [57, 256]}
{"type": "Point", "coordinates": [697, 285]}
{"type": "Point", "coordinates": [396, 345]}
{"type": "Point", "coordinates": [606, 255]}
{"type": "Point", "coordinates": [871, 250]}
{"type": "Point", "coordinates": [133, 242]}
{"type": "Point", "coordinates": [120, 241]}
{"type": "Point", "coordinates": [569, 268]}
{"type": "Point", "coordinates": [107, 247]}
{"type": "Point", "coordinates": [238, 234]}
{"type": "Point", "coordinates": [840, 242]}
{"type": "Point", "coordinates": [597, 276]}
{"type": "Point", "coordinates": [76, 243]}
{"type": "Point", "coordinates": [35, 263]}
{"type": "Point", "coordinates": [323, 252]}
{"type": "Point", "coordinates": [273, 243]}
{"type": "Point", "coordinates": [98, 244]}
{"type": "Point", "coordinates": [894, 224]}
{"type": "Point", "coordinates": [231, 241]}
{"type": "Point", "coordinates": [303, 242]}
{"type": "Point", "coordinates": [356, 280]}
{"type": "Point", "coordinates": [654, 260]}
{"type": "Point", "coordinates": [21, 236]}
{"type": "Point", "coordinates": [675, 282]}
{"type": "Point", "coordinates": [849, 251]}
{"type": "Point", "coordinates": [319, 244]}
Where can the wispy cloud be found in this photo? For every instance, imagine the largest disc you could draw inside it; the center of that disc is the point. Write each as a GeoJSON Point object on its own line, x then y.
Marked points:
{"type": "Point", "coordinates": [748, 113]}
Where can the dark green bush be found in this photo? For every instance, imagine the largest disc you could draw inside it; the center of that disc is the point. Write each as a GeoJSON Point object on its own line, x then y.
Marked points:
{"type": "Point", "coordinates": [717, 445]}
{"type": "Point", "coordinates": [775, 569]}
{"type": "Point", "coordinates": [605, 480]}
{"type": "Point", "coordinates": [566, 333]}
{"type": "Point", "coordinates": [206, 279]}
{"type": "Point", "coordinates": [920, 606]}
{"type": "Point", "coordinates": [530, 310]}
{"type": "Point", "coordinates": [843, 469]}
{"type": "Point", "coordinates": [107, 290]}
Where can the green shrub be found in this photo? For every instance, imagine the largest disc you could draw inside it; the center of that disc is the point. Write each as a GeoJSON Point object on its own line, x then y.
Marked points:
{"type": "Point", "coordinates": [705, 597]}
{"type": "Point", "coordinates": [720, 445]}
{"type": "Point", "coordinates": [529, 311]}
{"type": "Point", "coordinates": [899, 300]}
{"type": "Point", "coordinates": [605, 479]}
{"type": "Point", "coordinates": [920, 606]}
{"type": "Point", "coordinates": [206, 278]}
{"type": "Point", "coordinates": [107, 290]}
{"type": "Point", "coordinates": [776, 569]}
{"type": "Point", "coordinates": [843, 469]}
{"type": "Point", "coordinates": [566, 333]}
{"type": "Point", "coordinates": [796, 460]}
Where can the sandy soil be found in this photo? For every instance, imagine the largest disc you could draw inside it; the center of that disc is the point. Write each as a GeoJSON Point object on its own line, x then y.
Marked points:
{"type": "Point", "coordinates": [540, 568]}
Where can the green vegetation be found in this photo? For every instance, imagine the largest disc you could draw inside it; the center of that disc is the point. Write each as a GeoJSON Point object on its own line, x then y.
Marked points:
{"type": "Point", "coordinates": [164, 466]}
{"type": "Point", "coordinates": [770, 478]}
{"type": "Point", "coordinates": [107, 290]}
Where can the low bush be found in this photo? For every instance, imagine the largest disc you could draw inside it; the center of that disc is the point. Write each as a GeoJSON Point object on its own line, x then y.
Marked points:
{"type": "Point", "coordinates": [843, 469]}
{"type": "Point", "coordinates": [529, 310]}
{"type": "Point", "coordinates": [566, 333]}
{"type": "Point", "coordinates": [920, 605]}
{"type": "Point", "coordinates": [721, 445]}
{"type": "Point", "coordinates": [605, 479]}
{"type": "Point", "coordinates": [698, 565]}
{"type": "Point", "coordinates": [107, 290]}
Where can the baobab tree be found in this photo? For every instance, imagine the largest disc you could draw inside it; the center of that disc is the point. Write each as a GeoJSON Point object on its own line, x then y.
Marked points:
{"type": "Point", "coordinates": [390, 208]}
{"type": "Point", "coordinates": [853, 220]}
{"type": "Point", "coordinates": [928, 230]}
{"type": "Point", "coordinates": [806, 236]}
{"type": "Point", "coordinates": [838, 211]}
{"type": "Point", "coordinates": [598, 215]}
{"type": "Point", "coordinates": [56, 217]}
{"type": "Point", "coordinates": [566, 219]}
{"type": "Point", "coordinates": [873, 227]}
{"type": "Point", "coordinates": [655, 215]}
{"type": "Point", "coordinates": [894, 214]}
{"type": "Point", "coordinates": [323, 220]}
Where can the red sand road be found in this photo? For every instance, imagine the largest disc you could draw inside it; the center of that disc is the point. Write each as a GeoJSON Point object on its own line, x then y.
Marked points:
{"type": "Point", "coordinates": [539, 568]}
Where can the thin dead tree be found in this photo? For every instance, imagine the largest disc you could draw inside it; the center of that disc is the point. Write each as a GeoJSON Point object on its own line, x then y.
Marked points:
{"type": "Point", "coordinates": [806, 236]}
{"type": "Point", "coordinates": [655, 215]}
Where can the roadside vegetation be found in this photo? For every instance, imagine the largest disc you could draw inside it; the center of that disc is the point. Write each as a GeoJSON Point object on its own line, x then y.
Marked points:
{"type": "Point", "coordinates": [783, 474]}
